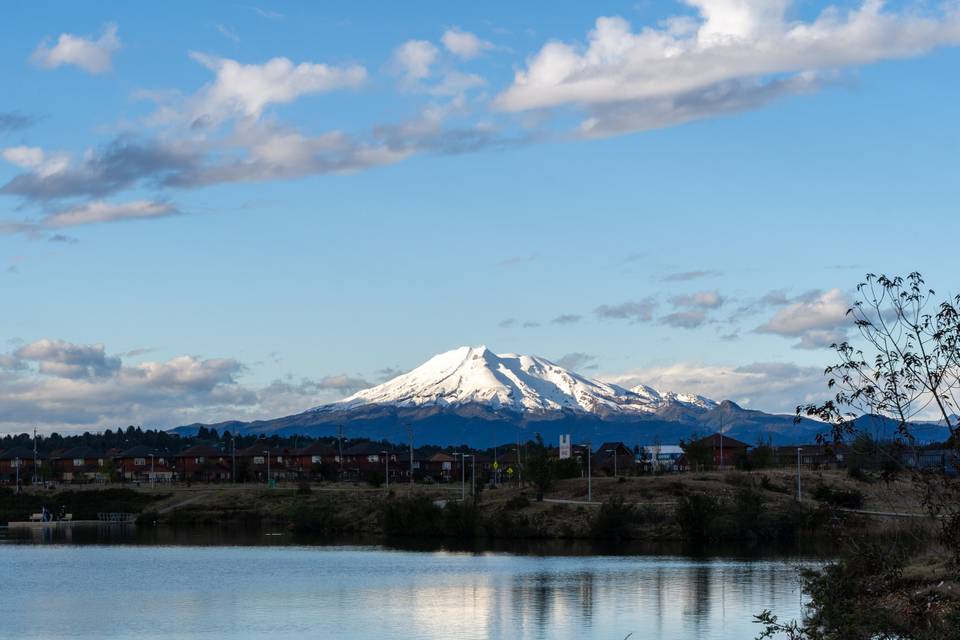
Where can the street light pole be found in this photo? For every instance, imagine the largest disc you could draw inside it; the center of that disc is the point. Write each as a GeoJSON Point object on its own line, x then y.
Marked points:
{"type": "Point", "coordinates": [614, 452]}
{"type": "Point", "coordinates": [268, 468]}
{"type": "Point", "coordinates": [16, 461]}
{"type": "Point", "coordinates": [386, 457]}
{"type": "Point", "coordinates": [410, 434]}
{"type": "Point", "coordinates": [152, 474]}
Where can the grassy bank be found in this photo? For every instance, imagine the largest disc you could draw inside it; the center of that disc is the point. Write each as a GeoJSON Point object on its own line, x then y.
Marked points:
{"type": "Point", "coordinates": [707, 507]}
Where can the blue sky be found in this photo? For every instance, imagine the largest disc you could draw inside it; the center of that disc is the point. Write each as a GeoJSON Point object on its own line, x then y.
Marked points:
{"type": "Point", "coordinates": [213, 210]}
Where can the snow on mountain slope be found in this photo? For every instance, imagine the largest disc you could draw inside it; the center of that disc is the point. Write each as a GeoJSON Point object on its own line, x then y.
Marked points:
{"type": "Point", "coordinates": [476, 375]}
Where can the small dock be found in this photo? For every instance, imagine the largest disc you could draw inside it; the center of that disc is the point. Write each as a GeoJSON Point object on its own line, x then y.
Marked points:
{"type": "Point", "coordinates": [36, 521]}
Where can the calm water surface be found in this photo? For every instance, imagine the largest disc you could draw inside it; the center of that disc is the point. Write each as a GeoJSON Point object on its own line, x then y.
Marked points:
{"type": "Point", "coordinates": [270, 588]}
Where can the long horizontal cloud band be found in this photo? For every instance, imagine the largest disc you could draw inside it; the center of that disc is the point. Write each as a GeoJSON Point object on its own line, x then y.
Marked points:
{"type": "Point", "coordinates": [726, 57]}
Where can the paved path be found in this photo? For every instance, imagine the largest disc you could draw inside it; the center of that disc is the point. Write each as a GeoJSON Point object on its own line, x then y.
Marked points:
{"type": "Point", "coordinates": [886, 514]}
{"type": "Point", "coordinates": [595, 503]}
{"type": "Point", "coordinates": [177, 505]}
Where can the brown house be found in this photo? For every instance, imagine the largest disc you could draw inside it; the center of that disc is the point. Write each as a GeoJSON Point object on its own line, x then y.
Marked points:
{"type": "Point", "coordinates": [311, 461]}
{"type": "Point", "coordinates": [203, 463]}
{"type": "Point", "coordinates": [255, 460]}
{"type": "Point", "coordinates": [141, 464]}
{"type": "Point", "coordinates": [80, 464]}
{"type": "Point", "coordinates": [723, 450]}
{"type": "Point", "coordinates": [369, 457]}
{"type": "Point", "coordinates": [440, 466]}
{"type": "Point", "coordinates": [19, 459]}
{"type": "Point", "coordinates": [615, 458]}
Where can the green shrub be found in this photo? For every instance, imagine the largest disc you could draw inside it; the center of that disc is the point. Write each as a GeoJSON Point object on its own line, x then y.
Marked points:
{"type": "Point", "coordinates": [694, 513]}
{"type": "Point", "coordinates": [315, 518]}
{"type": "Point", "coordinates": [414, 516]}
{"type": "Point", "coordinates": [460, 519]}
{"type": "Point", "coordinates": [844, 498]}
{"type": "Point", "coordinates": [614, 520]}
{"type": "Point", "coordinates": [516, 503]}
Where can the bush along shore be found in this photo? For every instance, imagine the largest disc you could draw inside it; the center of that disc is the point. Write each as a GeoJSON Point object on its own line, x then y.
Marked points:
{"type": "Point", "coordinates": [701, 508]}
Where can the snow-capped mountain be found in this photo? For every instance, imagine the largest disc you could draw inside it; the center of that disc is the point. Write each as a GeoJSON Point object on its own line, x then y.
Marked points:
{"type": "Point", "coordinates": [472, 395]}
{"type": "Point", "coordinates": [510, 382]}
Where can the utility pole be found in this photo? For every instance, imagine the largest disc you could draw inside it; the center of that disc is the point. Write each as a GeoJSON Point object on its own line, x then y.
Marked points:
{"type": "Point", "coordinates": [16, 462]}
{"type": "Point", "coordinates": [589, 471]}
{"type": "Point", "coordinates": [519, 465]}
{"type": "Point", "coordinates": [268, 468]}
{"type": "Point", "coordinates": [340, 449]}
{"type": "Point", "coordinates": [799, 496]}
{"type": "Point", "coordinates": [721, 442]}
{"type": "Point", "coordinates": [34, 455]}
{"type": "Point", "coordinates": [410, 436]}
{"type": "Point", "coordinates": [386, 457]}
{"type": "Point", "coordinates": [152, 474]}
{"type": "Point", "coordinates": [496, 466]}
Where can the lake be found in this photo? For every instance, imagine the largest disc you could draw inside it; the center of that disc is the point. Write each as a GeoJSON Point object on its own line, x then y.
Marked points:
{"type": "Point", "coordinates": [180, 585]}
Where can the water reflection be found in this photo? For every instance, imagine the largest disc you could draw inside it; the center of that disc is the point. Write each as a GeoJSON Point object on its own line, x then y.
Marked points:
{"type": "Point", "coordinates": [122, 584]}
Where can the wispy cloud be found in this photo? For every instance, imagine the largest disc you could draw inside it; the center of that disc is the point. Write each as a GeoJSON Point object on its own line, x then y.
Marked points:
{"type": "Point", "coordinates": [567, 318]}
{"type": "Point", "coordinates": [730, 57]}
{"type": "Point", "coordinates": [578, 361]}
{"type": "Point", "coordinates": [13, 121]}
{"type": "Point", "coordinates": [686, 276]}
{"type": "Point", "coordinates": [93, 56]}
{"type": "Point", "coordinates": [227, 32]}
{"type": "Point", "coordinates": [268, 13]}
{"type": "Point", "coordinates": [464, 44]}
{"type": "Point", "coordinates": [638, 311]}
{"type": "Point", "coordinates": [514, 261]}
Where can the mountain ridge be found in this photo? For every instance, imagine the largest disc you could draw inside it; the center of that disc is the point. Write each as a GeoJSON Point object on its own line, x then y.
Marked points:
{"type": "Point", "coordinates": [473, 396]}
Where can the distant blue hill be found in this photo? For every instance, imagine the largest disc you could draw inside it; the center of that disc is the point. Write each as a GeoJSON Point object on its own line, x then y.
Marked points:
{"type": "Point", "coordinates": [479, 426]}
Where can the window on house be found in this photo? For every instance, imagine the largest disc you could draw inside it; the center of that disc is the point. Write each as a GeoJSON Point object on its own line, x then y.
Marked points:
{"type": "Point", "coordinates": [200, 460]}
{"type": "Point", "coordinates": [373, 458]}
{"type": "Point", "coordinates": [99, 462]}
{"type": "Point", "coordinates": [78, 462]}
{"type": "Point", "coordinates": [316, 459]}
{"type": "Point", "coordinates": [258, 460]}
{"type": "Point", "coordinates": [280, 459]}
{"type": "Point", "coordinates": [139, 462]}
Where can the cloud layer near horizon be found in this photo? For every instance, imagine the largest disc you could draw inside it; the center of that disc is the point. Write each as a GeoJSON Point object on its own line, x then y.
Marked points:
{"type": "Point", "coordinates": [60, 385]}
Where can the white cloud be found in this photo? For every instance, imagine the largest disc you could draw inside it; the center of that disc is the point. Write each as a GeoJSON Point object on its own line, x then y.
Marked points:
{"type": "Point", "coordinates": [701, 299]}
{"type": "Point", "coordinates": [35, 159]}
{"type": "Point", "coordinates": [93, 56]}
{"type": "Point", "coordinates": [767, 386]}
{"type": "Point", "coordinates": [737, 55]}
{"type": "Point", "coordinates": [638, 311]}
{"type": "Point", "coordinates": [99, 211]}
{"type": "Point", "coordinates": [818, 319]}
{"type": "Point", "coordinates": [67, 360]}
{"type": "Point", "coordinates": [246, 89]}
{"type": "Point", "coordinates": [464, 44]}
{"type": "Point", "coordinates": [58, 385]}
{"type": "Point", "coordinates": [413, 59]}
{"type": "Point", "coordinates": [227, 32]}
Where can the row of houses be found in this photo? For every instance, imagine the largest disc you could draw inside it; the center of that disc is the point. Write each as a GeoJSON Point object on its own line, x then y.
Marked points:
{"type": "Point", "coordinates": [319, 460]}
{"type": "Point", "coordinates": [205, 463]}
